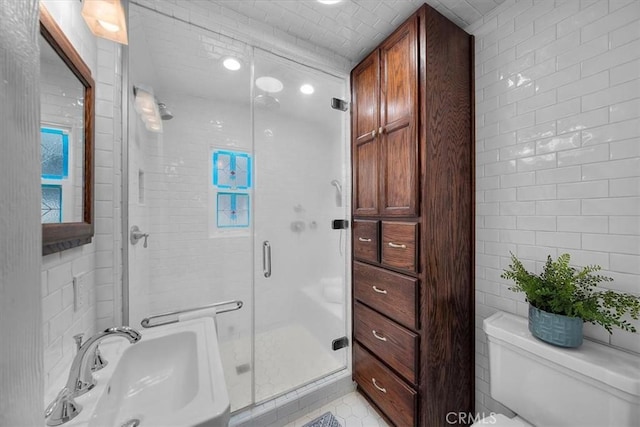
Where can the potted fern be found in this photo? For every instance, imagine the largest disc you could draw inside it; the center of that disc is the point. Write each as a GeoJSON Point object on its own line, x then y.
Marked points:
{"type": "Point", "coordinates": [562, 298]}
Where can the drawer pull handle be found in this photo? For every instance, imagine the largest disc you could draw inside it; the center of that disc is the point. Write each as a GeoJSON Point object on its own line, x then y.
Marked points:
{"type": "Point", "coordinates": [382, 389]}
{"type": "Point", "coordinates": [380, 337]}
{"type": "Point", "coordinates": [378, 290]}
{"type": "Point", "coordinates": [394, 245]}
{"type": "Point", "coordinates": [362, 239]}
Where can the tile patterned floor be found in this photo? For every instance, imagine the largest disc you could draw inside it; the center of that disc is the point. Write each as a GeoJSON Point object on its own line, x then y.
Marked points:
{"type": "Point", "coordinates": [282, 363]}
{"type": "Point", "coordinates": [351, 410]}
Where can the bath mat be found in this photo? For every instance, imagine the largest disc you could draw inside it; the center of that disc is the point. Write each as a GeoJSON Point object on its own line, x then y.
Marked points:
{"type": "Point", "coordinates": [324, 420]}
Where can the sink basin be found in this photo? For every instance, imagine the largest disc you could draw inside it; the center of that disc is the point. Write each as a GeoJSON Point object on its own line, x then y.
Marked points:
{"type": "Point", "coordinates": [172, 377]}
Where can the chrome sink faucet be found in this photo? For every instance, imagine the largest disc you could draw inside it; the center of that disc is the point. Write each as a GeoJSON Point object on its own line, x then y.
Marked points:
{"type": "Point", "coordinates": [80, 381]}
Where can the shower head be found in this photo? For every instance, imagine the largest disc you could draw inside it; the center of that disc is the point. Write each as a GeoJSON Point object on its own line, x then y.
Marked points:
{"type": "Point", "coordinates": [165, 114]}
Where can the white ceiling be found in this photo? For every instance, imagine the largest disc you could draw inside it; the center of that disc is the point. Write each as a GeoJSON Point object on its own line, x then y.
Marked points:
{"type": "Point", "coordinates": [350, 28]}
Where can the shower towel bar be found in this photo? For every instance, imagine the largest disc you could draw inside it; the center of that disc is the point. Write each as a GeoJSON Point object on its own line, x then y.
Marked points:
{"type": "Point", "coordinates": [146, 321]}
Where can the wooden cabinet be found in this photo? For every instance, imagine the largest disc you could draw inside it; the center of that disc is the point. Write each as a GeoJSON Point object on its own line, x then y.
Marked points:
{"type": "Point", "coordinates": [365, 240]}
{"type": "Point", "coordinates": [398, 117]}
{"type": "Point", "coordinates": [392, 294]}
{"type": "Point", "coordinates": [384, 117]}
{"type": "Point", "coordinates": [395, 345]}
{"type": "Point", "coordinates": [413, 180]}
{"type": "Point", "coordinates": [366, 147]}
{"type": "Point", "coordinates": [390, 393]}
{"type": "Point", "coordinates": [400, 244]}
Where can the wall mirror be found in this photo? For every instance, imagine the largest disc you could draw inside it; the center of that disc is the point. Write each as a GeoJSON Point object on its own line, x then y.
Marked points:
{"type": "Point", "coordinates": [66, 133]}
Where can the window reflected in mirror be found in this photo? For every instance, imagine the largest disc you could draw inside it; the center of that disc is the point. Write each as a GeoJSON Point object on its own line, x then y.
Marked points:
{"type": "Point", "coordinates": [61, 135]}
{"type": "Point", "coordinates": [66, 140]}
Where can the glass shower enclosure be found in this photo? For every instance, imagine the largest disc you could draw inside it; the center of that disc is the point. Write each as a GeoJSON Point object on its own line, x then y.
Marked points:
{"type": "Point", "coordinates": [237, 193]}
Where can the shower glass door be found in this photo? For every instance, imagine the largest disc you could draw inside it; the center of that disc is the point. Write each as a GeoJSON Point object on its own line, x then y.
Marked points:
{"type": "Point", "coordinates": [300, 261]}
{"type": "Point", "coordinates": [237, 194]}
{"type": "Point", "coordinates": [188, 185]}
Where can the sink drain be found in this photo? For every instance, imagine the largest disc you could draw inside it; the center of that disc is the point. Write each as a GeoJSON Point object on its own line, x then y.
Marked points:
{"type": "Point", "coordinates": [134, 422]}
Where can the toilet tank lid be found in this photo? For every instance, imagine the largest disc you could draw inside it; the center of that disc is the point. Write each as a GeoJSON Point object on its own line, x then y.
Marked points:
{"type": "Point", "coordinates": [616, 368]}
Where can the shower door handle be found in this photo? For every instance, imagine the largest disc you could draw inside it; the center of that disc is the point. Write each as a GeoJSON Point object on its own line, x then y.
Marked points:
{"type": "Point", "coordinates": [266, 258]}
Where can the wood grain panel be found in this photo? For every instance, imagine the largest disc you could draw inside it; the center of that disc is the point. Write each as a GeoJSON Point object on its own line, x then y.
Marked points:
{"type": "Point", "coordinates": [399, 195]}
{"type": "Point", "coordinates": [365, 178]}
{"type": "Point", "coordinates": [365, 240]}
{"type": "Point", "coordinates": [400, 244]}
{"type": "Point", "coordinates": [425, 175]}
{"type": "Point", "coordinates": [398, 401]}
{"type": "Point", "coordinates": [365, 98]}
{"type": "Point", "coordinates": [399, 75]}
{"type": "Point", "coordinates": [398, 116]}
{"type": "Point", "coordinates": [392, 343]}
{"type": "Point", "coordinates": [447, 189]}
{"type": "Point", "coordinates": [392, 294]}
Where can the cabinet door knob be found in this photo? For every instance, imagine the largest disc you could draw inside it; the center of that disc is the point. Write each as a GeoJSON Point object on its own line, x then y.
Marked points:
{"type": "Point", "coordinates": [378, 336]}
{"type": "Point", "coordinates": [378, 290]}
{"type": "Point", "coordinates": [362, 239]}
{"type": "Point", "coordinates": [373, 133]}
{"type": "Point", "coordinates": [382, 389]}
{"type": "Point", "coordinates": [380, 130]}
{"type": "Point", "coordinates": [395, 245]}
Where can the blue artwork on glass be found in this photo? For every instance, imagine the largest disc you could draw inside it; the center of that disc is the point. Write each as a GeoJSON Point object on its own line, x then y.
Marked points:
{"type": "Point", "coordinates": [231, 170]}
{"type": "Point", "coordinates": [233, 210]}
{"type": "Point", "coordinates": [51, 204]}
{"type": "Point", "coordinates": [54, 153]}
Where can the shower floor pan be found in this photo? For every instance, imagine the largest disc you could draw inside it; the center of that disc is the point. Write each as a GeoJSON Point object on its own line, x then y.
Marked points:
{"type": "Point", "coordinates": [286, 358]}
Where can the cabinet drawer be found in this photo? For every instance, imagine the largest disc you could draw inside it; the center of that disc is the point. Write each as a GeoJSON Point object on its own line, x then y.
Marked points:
{"type": "Point", "coordinates": [392, 294]}
{"type": "Point", "coordinates": [392, 343]}
{"type": "Point", "coordinates": [400, 244]}
{"type": "Point", "coordinates": [365, 240]}
{"type": "Point", "coordinates": [395, 398]}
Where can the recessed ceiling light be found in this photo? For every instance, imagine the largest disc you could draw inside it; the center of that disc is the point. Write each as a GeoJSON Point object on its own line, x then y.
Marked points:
{"type": "Point", "coordinates": [231, 64]}
{"type": "Point", "coordinates": [329, 1]}
{"type": "Point", "coordinates": [307, 89]}
{"type": "Point", "coordinates": [269, 84]}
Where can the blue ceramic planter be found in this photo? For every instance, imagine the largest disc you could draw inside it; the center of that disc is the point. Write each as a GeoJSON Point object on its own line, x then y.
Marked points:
{"type": "Point", "coordinates": [555, 329]}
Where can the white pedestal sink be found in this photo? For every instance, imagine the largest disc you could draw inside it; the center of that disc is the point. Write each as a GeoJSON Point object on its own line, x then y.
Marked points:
{"type": "Point", "coordinates": [172, 377]}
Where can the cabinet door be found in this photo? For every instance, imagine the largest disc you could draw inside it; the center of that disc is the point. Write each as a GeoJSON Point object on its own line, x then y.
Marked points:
{"type": "Point", "coordinates": [398, 117]}
{"type": "Point", "coordinates": [366, 145]}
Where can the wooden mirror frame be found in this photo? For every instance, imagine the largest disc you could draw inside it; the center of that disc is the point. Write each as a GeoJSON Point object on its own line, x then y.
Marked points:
{"type": "Point", "coordinates": [58, 237]}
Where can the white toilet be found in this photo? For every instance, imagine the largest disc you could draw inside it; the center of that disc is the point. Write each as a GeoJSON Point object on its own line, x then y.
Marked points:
{"type": "Point", "coordinates": [594, 385]}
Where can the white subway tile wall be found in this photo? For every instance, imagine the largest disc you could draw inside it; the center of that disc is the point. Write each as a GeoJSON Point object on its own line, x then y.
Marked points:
{"type": "Point", "coordinates": [558, 151]}
{"type": "Point", "coordinates": [99, 263]}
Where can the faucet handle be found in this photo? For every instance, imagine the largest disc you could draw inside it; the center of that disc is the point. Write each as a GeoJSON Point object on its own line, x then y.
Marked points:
{"type": "Point", "coordinates": [98, 361]}
{"type": "Point", "coordinates": [62, 409]}
{"type": "Point", "coordinates": [78, 339]}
